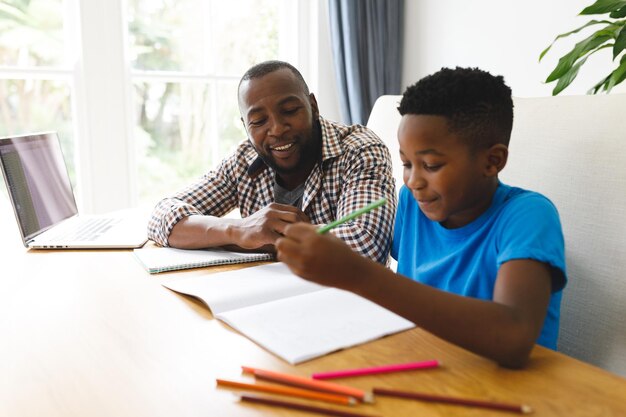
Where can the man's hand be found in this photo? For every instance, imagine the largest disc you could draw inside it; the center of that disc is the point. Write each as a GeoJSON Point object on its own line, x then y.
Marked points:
{"type": "Point", "coordinates": [266, 225]}
{"type": "Point", "coordinates": [258, 231]}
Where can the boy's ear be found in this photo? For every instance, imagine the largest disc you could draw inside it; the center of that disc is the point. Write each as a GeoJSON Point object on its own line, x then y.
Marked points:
{"type": "Point", "coordinates": [497, 156]}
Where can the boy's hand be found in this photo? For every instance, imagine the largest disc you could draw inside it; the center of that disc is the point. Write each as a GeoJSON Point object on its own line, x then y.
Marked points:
{"type": "Point", "coordinates": [324, 259]}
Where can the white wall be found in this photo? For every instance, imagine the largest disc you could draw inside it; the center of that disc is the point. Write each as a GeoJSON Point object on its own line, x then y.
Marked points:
{"type": "Point", "coordinates": [504, 37]}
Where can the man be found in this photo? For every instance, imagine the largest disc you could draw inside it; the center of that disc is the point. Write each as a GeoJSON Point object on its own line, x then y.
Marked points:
{"type": "Point", "coordinates": [295, 167]}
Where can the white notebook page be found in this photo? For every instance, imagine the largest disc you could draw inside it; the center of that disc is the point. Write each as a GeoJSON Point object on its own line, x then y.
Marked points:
{"type": "Point", "coordinates": [290, 317]}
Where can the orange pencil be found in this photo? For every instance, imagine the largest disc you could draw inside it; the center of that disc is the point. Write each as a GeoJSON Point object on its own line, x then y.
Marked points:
{"type": "Point", "coordinates": [302, 407]}
{"type": "Point", "coordinates": [293, 392]}
{"type": "Point", "coordinates": [308, 383]}
{"type": "Point", "coordinates": [524, 409]}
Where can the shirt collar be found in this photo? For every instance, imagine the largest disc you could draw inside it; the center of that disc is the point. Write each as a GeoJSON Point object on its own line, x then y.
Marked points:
{"type": "Point", "coordinates": [331, 135]}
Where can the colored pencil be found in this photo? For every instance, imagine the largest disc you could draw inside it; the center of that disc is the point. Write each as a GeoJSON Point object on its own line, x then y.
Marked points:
{"type": "Point", "coordinates": [524, 409]}
{"type": "Point", "coordinates": [301, 407]}
{"type": "Point", "coordinates": [289, 391]}
{"type": "Point", "coordinates": [308, 383]}
{"type": "Point", "coordinates": [352, 215]}
{"type": "Point", "coordinates": [377, 370]}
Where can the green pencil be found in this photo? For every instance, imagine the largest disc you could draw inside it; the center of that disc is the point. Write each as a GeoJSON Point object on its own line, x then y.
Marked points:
{"type": "Point", "coordinates": [351, 216]}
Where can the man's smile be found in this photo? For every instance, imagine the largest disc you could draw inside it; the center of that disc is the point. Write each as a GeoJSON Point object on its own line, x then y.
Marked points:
{"type": "Point", "coordinates": [282, 147]}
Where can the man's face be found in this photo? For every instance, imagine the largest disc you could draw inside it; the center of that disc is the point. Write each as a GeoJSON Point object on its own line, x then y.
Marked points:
{"type": "Point", "coordinates": [445, 177]}
{"type": "Point", "coordinates": [280, 118]}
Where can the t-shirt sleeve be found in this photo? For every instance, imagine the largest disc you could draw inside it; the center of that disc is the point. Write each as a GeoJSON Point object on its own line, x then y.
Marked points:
{"type": "Point", "coordinates": [399, 223]}
{"type": "Point", "coordinates": [531, 229]}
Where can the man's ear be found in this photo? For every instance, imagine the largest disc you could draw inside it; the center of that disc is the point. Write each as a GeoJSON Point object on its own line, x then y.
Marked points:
{"type": "Point", "coordinates": [244, 125]}
{"type": "Point", "coordinates": [497, 156]}
{"type": "Point", "coordinates": [314, 109]}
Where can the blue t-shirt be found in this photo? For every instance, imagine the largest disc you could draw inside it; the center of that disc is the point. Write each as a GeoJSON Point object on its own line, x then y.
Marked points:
{"type": "Point", "coordinates": [519, 224]}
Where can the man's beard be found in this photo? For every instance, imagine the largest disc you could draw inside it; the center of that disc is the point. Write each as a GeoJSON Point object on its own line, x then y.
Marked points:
{"type": "Point", "coordinates": [310, 150]}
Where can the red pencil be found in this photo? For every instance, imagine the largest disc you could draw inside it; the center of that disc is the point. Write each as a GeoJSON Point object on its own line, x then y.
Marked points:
{"type": "Point", "coordinates": [301, 407]}
{"type": "Point", "coordinates": [524, 409]}
{"type": "Point", "coordinates": [345, 373]}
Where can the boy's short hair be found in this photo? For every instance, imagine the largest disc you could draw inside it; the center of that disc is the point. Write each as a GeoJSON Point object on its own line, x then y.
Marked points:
{"type": "Point", "coordinates": [477, 105]}
{"type": "Point", "coordinates": [267, 67]}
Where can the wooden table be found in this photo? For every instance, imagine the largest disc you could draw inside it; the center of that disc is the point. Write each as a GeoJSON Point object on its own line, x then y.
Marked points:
{"type": "Point", "coordinates": [90, 333]}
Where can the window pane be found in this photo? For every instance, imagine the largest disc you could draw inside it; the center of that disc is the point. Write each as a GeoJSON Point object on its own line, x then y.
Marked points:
{"type": "Point", "coordinates": [202, 36]}
{"type": "Point", "coordinates": [186, 123]}
{"type": "Point", "coordinates": [31, 33]}
{"type": "Point", "coordinates": [231, 131]}
{"type": "Point", "coordinates": [239, 49]}
{"type": "Point", "coordinates": [167, 35]}
{"type": "Point", "coordinates": [171, 135]}
{"type": "Point", "coordinates": [28, 106]}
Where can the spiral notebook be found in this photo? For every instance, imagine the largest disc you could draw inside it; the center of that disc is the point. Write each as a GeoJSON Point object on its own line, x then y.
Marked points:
{"type": "Point", "coordinates": [157, 259]}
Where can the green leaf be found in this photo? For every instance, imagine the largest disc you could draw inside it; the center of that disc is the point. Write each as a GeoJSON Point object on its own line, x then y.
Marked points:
{"type": "Point", "coordinates": [567, 78]}
{"type": "Point", "coordinates": [620, 42]}
{"type": "Point", "coordinates": [563, 35]}
{"type": "Point", "coordinates": [604, 6]}
{"type": "Point", "coordinates": [618, 13]}
{"type": "Point", "coordinates": [579, 50]}
{"type": "Point", "coordinates": [618, 75]}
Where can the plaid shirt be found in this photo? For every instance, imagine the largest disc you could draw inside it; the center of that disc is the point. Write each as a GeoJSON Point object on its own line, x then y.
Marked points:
{"type": "Point", "coordinates": [355, 170]}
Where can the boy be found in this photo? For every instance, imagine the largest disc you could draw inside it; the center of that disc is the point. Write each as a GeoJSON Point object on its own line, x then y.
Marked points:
{"type": "Point", "coordinates": [480, 264]}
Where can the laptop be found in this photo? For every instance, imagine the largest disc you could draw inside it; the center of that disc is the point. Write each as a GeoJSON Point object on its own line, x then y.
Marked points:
{"type": "Point", "coordinates": [40, 191]}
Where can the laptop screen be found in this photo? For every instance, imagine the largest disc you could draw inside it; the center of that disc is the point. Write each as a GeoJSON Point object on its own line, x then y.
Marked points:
{"type": "Point", "coordinates": [36, 177]}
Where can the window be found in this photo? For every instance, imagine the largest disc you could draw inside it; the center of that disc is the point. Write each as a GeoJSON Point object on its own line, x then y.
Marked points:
{"type": "Point", "coordinates": [142, 92]}
{"type": "Point", "coordinates": [187, 57]}
{"type": "Point", "coordinates": [36, 75]}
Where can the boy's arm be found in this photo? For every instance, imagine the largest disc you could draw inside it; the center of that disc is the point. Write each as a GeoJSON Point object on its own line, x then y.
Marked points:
{"type": "Point", "coordinates": [504, 330]}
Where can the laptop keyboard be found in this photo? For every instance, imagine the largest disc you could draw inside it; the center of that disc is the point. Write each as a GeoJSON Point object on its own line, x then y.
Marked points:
{"type": "Point", "coordinates": [87, 230]}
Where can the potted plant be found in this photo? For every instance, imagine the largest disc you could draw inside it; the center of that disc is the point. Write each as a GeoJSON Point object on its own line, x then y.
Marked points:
{"type": "Point", "coordinates": [612, 34]}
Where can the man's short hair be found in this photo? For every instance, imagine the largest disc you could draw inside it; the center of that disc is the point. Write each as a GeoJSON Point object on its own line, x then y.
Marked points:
{"type": "Point", "coordinates": [477, 105]}
{"type": "Point", "coordinates": [266, 67]}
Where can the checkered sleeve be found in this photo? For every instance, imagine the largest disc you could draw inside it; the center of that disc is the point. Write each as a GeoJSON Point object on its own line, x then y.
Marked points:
{"type": "Point", "coordinates": [213, 194]}
{"type": "Point", "coordinates": [369, 178]}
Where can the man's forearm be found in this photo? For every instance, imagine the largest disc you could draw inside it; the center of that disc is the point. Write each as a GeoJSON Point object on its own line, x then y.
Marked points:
{"type": "Point", "coordinates": [198, 231]}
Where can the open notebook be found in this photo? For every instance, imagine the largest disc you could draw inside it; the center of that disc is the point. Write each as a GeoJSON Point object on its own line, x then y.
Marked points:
{"type": "Point", "coordinates": [292, 318]}
{"type": "Point", "coordinates": [157, 259]}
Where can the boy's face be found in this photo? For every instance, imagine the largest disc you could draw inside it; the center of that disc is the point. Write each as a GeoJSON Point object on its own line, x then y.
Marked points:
{"type": "Point", "coordinates": [452, 185]}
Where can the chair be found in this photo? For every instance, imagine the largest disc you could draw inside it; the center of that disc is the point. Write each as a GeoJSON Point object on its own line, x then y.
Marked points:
{"type": "Point", "coordinates": [572, 149]}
